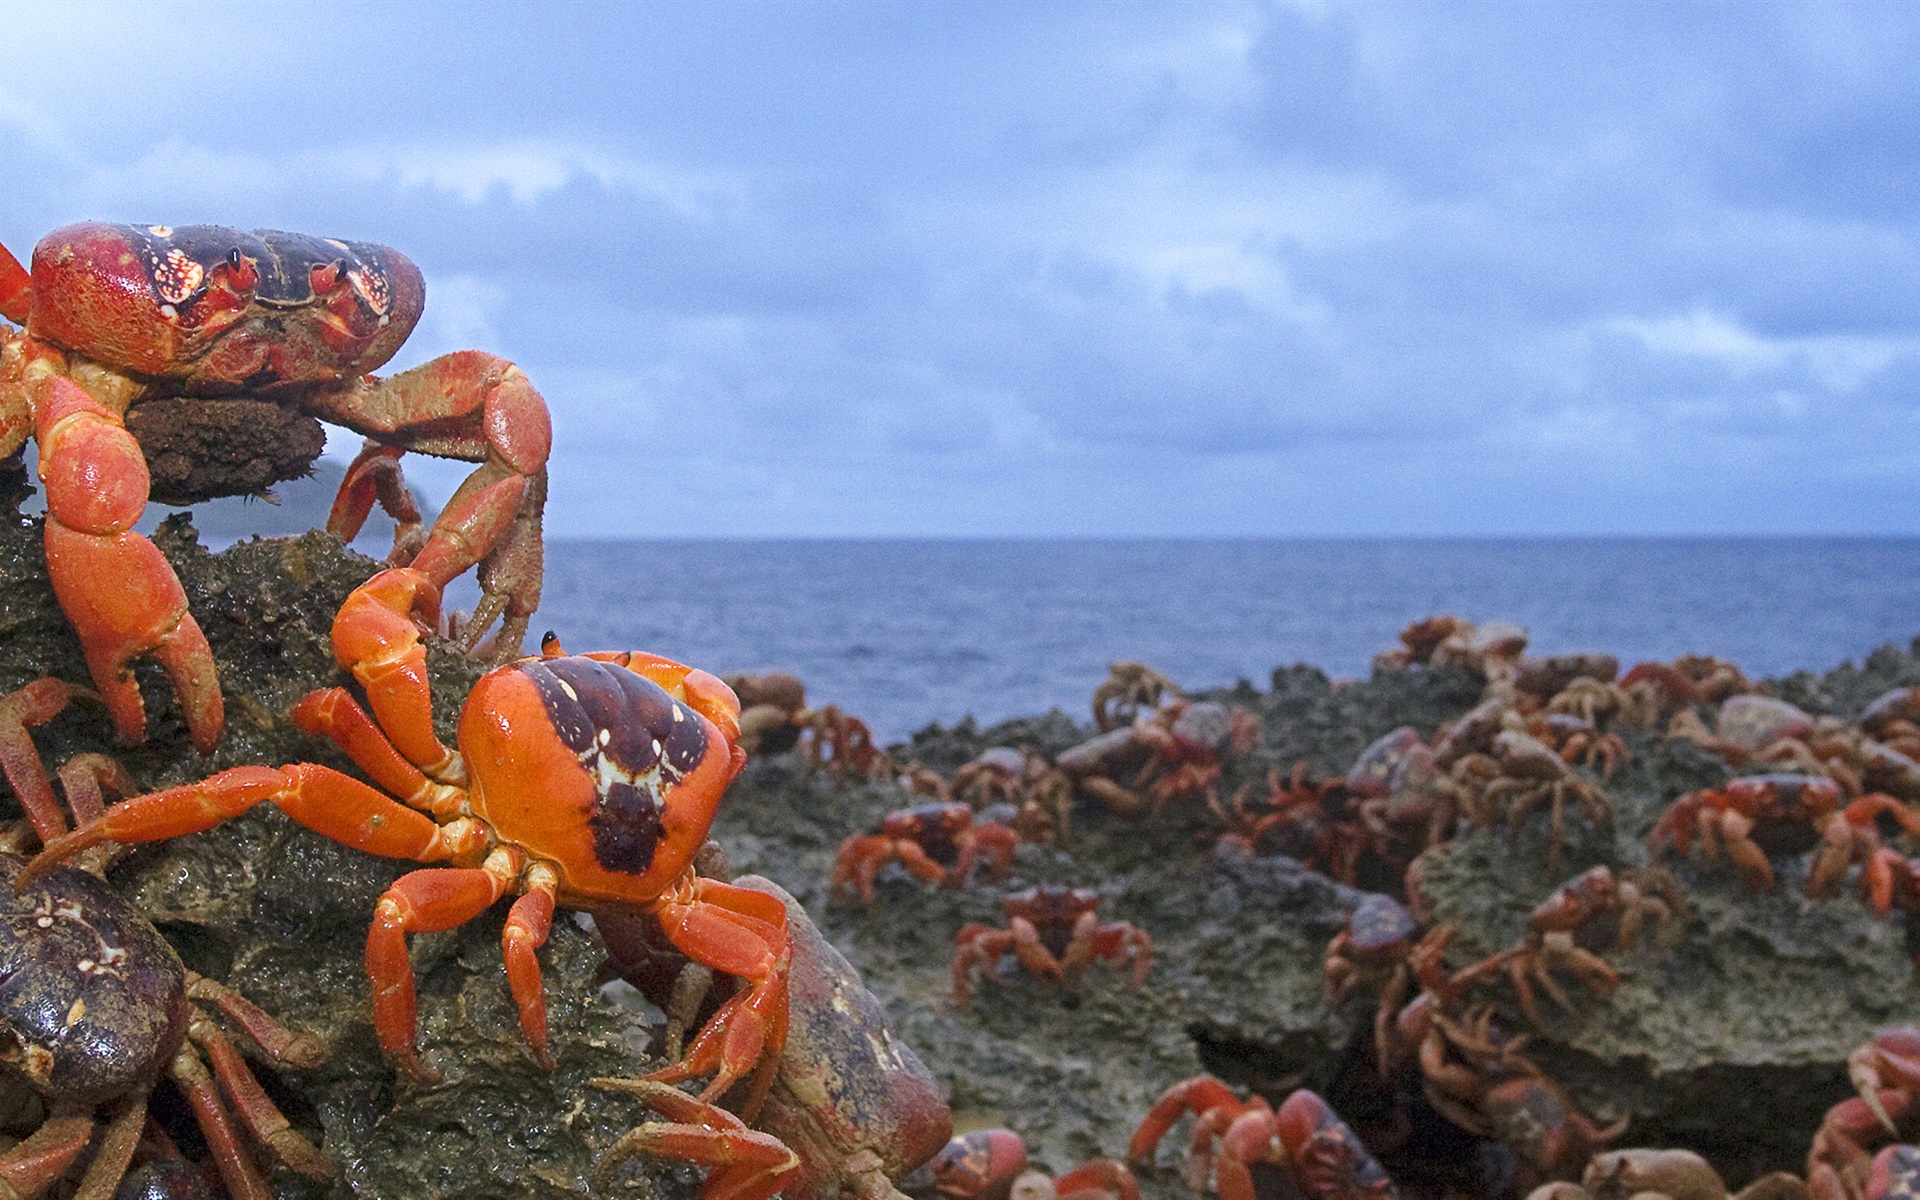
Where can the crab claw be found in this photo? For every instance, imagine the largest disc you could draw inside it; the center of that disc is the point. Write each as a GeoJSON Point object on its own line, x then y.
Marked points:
{"type": "Point", "coordinates": [377, 641]}
{"type": "Point", "coordinates": [1890, 1061]}
{"type": "Point", "coordinates": [16, 288]}
{"type": "Point", "coordinates": [118, 590]}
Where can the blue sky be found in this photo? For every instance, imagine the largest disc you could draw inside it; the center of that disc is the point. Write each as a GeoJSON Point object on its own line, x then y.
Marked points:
{"type": "Point", "coordinates": [979, 269]}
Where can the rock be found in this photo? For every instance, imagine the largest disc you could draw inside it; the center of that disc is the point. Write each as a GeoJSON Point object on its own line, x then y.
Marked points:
{"type": "Point", "coordinates": [1731, 1044]}
{"type": "Point", "coordinates": [281, 913]}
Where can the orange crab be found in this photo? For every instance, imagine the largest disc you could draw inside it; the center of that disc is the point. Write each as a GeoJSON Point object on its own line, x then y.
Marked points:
{"type": "Point", "coordinates": [585, 780]}
{"type": "Point", "coordinates": [1757, 815]}
{"type": "Point", "coordinates": [937, 842]}
{"type": "Point", "coordinates": [1055, 933]}
{"type": "Point", "coordinates": [116, 316]}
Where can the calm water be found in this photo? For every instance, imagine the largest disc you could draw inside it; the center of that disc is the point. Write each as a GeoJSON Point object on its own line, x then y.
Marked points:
{"type": "Point", "coordinates": [906, 632]}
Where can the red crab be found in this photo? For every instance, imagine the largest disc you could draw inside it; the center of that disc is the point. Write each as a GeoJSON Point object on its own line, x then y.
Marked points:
{"type": "Point", "coordinates": [1894, 718]}
{"type": "Point", "coordinates": [1303, 1137]}
{"type": "Point", "coordinates": [843, 743]}
{"type": "Point", "coordinates": [771, 705]}
{"type": "Point", "coordinates": [1055, 932]}
{"type": "Point", "coordinates": [1040, 796]}
{"type": "Point", "coordinates": [991, 1164]}
{"type": "Point", "coordinates": [1384, 951]}
{"type": "Point", "coordinates": [581, 780]}
{"type": "Point", "coordinates": [1521, 774]}
{"type": "Point", "coordinates": [1176, 750]}
{"type": "Point", "coordinates": [1401, 801]}
{"type": "Point", "coordinates": [1579, 741]}
{"type": "Point", "coordinates": [1686, 680]}
{"type": "Point", "coordinates": [1475, 1076]}
{"type": "Point", "coordinates": [937, 842]}
{"type": "Point", "coordinates": [1311, 820]}
{"type": "Point", "coordinates": [1599, 909]}
{"type": "Point", "coordinates": [97, 1007]}
{"type": "Point", "coordinates": [980, 1165]}
{"type": "Point", "coordinates": [1757, 815]}
{"type": "Point", "coordinates": [1493, 649]}
{"type": "Point", "coordinates": [115, 316]}
{"type": "Point", "coordinates": [1886, 1074]}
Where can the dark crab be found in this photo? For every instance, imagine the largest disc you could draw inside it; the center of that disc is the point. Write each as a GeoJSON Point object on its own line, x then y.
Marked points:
{"type": "Point", "coordinates": [96, 1008]}
{"type": "Point", "coordinates": [852, 1110]}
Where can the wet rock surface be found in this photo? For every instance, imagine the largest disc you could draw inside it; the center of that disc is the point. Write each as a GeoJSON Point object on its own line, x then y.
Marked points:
{"type": "Point", "coordinates": [1731, 1043]}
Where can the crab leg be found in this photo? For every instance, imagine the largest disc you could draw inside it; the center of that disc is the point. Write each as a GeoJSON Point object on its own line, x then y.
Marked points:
{"type": "Point", "coordinates": [333, 713]}
{"type": "Point", "coordinates": [35, 704]}
{"type": "Point", "coordinates": [118, 590]}
{"type": "Point", "coordinates": [331, 804]}
{"type": "Point", "coordinates": [740, 932]}
{"type": "Point", "coordinates": [31, 1166]}
{"type": "Point", "coordinates": [528, 924]}
{"type": "Point", "coordinates": [250, 1102]}
{"type": "Point", "coordinates": [481, 408]}
{"type": "Point", "coordinates": [744, 1163]}
{"type": "Point", "coordinates": [237, 1171]}
{"type": "Point", "coordinates": [429, 901]}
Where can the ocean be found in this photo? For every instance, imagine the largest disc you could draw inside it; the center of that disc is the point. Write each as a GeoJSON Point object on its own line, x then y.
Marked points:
{"type": "Point", "coordinates": [907, 632]}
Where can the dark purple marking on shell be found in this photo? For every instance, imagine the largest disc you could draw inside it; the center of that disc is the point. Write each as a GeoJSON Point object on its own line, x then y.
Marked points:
{"type": "Point", "coordinates": [170, 1179]}
{"type": "Point", "coordinates": [1901, 1168]}
{"type": "Point", "coordinates": [636, 742]}
{"type": "Point", "coordinates": [1053, 911]}
{"type": "Point", "coordinates": [179, 260]}
{"type": "Point", "coordinates": [1380, 923]}
{"type": "Point", "coordinates": [934, 825]}
{"type": "Point", "coordinates": [1379, 767]}
{"type": "Point", "coordinates": [93, 1001]}
{"type": "Point", "coordinates": [1204, 725]}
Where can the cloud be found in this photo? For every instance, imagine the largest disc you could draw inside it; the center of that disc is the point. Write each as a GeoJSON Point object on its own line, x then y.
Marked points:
{"type": "Point", "coordinates": [1839, 362]}
{"type": "Point", "coordinates": [1228, 266]}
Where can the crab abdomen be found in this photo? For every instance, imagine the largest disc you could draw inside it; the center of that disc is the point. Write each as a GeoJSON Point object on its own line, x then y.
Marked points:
{"type": "Point", "coordinates": [596, 769]}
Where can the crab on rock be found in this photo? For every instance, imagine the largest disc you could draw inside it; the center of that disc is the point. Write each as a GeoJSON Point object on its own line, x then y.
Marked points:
{"type": "Point", "coordinates": [586, 780]}
{"type": "Point", "coordinates": [1598, 909]}
{"type": "Point", "coordinates": [1321, 1156]}
{"type": "Point", "coordinates": [117, 316]}
{"type": "Point", "coordinates": [1757, 815]}
{"type": "Point", "coordinates": [937, 842]}
{"type": "Point", "coordinates": [1055, 932]}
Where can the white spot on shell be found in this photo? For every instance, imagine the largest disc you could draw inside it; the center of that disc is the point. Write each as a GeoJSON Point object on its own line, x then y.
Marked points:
{"type": "Point", "coordinates": [169, 311]}
{"type": "Point", "coordinates": [568, 689]}
{"type": "Point", "coordinates": [160, 230]}
{"type": "Point", "coordinates": [678, 715]}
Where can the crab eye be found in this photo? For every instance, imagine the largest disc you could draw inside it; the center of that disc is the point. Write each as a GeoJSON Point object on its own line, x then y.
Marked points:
{"type": "Point", "coordinates": [233, 258]}
{"type": "Point", "coordinates": [325, 277]}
